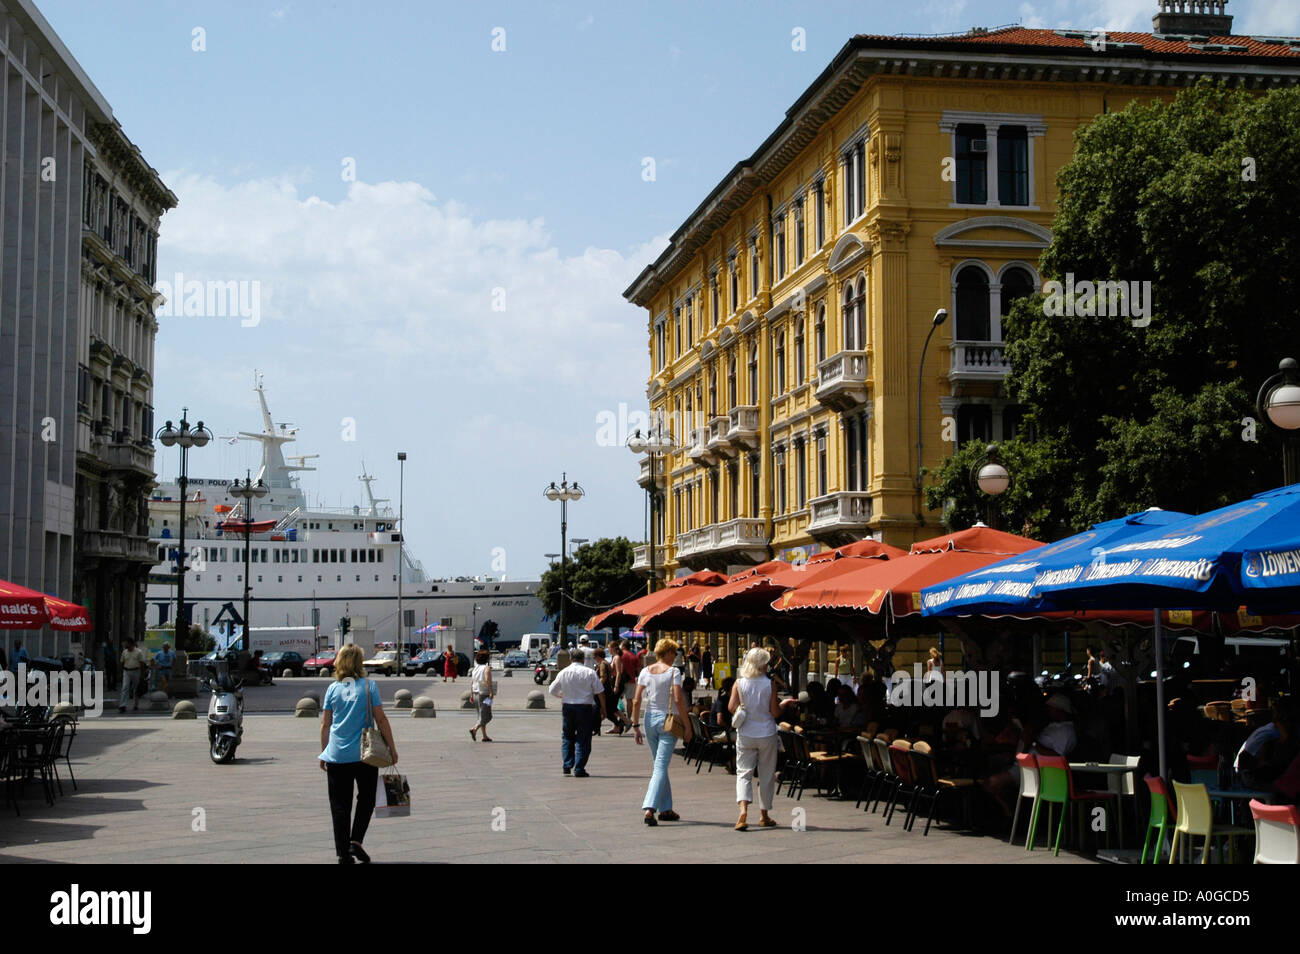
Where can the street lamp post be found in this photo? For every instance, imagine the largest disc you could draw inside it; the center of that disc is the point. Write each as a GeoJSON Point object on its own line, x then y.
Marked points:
{"type": "Point", "coordinates": [248, 492]}
{"type": "Point", "coordinates": [939, 318]}
{"type": "Point", "coordinates": [401, 554]}
{"type": "Point", "coordinates": [563, 493]}
{"type": "Point", "coordinates": [1278, 405]}
{"type": "Point", "coordinates": [186, 437]}
{"type": "Point", "coordinates": [992, 479]}
{"type": "Point", "coordinates": [654, 442]}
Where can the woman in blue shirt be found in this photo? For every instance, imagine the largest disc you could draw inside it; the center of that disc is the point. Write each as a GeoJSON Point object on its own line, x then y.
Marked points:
{"type": "Point", "coordinates": [348, 702]}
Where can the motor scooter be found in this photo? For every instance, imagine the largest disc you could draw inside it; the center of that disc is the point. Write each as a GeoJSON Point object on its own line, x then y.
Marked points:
{"type": "Point", "coordinates": [225, 712]}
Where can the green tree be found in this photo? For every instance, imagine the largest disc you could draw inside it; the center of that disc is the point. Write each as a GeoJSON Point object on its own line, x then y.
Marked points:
{"type": "Point", "coordinates": [1201, 198]}
{"type": "Point", "coordinates": [598, 575]}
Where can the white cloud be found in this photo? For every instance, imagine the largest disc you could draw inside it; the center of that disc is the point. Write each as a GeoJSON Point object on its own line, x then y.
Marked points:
{"type": "Point", "coordinates": [379, 307]}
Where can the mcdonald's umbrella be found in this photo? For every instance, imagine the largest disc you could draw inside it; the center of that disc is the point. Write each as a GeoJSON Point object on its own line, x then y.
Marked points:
{"type": "Point", "coordinates": [1006, 588]}
{"type": "Point", "coordinates": [626, 614]}
{"type": "Point", "coordinates": [899, 581]}
{"type": "Point", "coordinates": [21, 608]}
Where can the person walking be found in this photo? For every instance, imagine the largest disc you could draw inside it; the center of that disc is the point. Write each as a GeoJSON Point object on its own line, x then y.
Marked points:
{"type": "Point", "coordinates": [449, 664]}
{"type": "Point", "coordinates": [756, 738]}
{"type": "Point", "coordinates": [351, 702]}
{"type": "Point", "coordinates": [628, 667]}
{"type": "Point", "coordinates": [481, 690]}
{"type": "Point", "coordinates": [706, 666]}
{"type": "Point", "coordinates": [163, 661]}
{"type": "Point", "coordinates": [133, 663]}
{"type": "Point", "coordinates": [693, 662]}
{"type": "Point", "coordinates": [659, 689]}
{"type": "Point", "coordinates": [580, 690]}
{"type": "Point", "coordinates": [605, 672]}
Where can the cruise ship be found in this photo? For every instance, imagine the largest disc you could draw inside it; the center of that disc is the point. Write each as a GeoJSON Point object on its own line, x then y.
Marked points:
{"type": "Point", "coordinates": [315, 565]}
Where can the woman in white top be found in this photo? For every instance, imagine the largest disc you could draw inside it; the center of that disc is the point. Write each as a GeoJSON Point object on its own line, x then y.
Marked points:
{"type": "Point", "coordinates": [481, 689]}
{"type": "Point", "coordinates": [756, 740]}
{"type": "Point", "coordinates": [659, 688]}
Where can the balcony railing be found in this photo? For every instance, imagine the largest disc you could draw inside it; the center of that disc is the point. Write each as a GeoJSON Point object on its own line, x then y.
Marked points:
{"type": "Point", "coordinates": [644, 478]}
{"type": "Point", "coordinates": [743, 536]}
{"type": "Point", "coordinates": [978, 361]}
{"type": "Point", "coordinates": [641, 557]}
{"type": "Point", "coordinates": [114, 545]}
{"type": "Point", "coordinates": [840, 515]}
{"type": "Point", "coordinates": [742, 427]}
{"type": "Point", "coordinates": [720, 437]}
{"type": "Point", "coordinates": [698, 447]}
{"type": "Point", "coordinates": [842, 380]}
{"type": "Point", "coordinates": [128, 455]}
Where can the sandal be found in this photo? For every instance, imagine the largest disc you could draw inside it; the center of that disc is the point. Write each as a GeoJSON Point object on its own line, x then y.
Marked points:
{"type": "Point", "coordinates": [669, 815]}
{"type": "Point", "coordinates": [472, 734]}
{"type": "Point", "coordinates": [650, 820]}
{"type": "Point", "coordinates": [766, 823]}
{"type": "Point", "coordinates": [742, 824]}
{"type": "Point", "coordinates": [486, 739]}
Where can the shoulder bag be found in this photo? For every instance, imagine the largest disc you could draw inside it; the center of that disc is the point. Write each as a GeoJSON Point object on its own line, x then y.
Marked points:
{"type": "Point", "coordinates": [374, 750]}
{"type": "Point", "coordinates": [740, 715]}
{"type": "Point", "coordinates": [672, 722]}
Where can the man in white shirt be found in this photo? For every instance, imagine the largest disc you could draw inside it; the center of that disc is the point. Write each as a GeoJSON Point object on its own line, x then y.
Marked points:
{"type": "Point", "coordinates": [580, 689]}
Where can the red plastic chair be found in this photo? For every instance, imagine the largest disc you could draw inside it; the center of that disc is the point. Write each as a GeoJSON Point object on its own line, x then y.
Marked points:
{"type": "Point", "coordinates": [1277, 833]}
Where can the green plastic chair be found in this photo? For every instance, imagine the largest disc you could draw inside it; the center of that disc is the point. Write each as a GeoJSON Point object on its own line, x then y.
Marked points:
{"type": "Point", "coordinates": [1053, 788]}
{"type": "Point", "coordinates": [1160, 817]}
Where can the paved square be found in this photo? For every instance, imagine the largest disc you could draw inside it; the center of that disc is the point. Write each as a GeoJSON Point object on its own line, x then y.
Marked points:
{"type": "Point", "coordinates": [143, 777]}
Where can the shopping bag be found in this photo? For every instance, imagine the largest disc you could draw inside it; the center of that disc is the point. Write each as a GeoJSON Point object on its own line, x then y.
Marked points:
{"type": "Point", "coordinates": [392, 796]}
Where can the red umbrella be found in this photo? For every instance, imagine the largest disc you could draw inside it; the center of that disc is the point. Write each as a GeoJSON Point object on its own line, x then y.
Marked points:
{"type": "Point", "coordinates": [682, 588]}
{"type": "Point", "coordinates": [931, 561]}
{"type": "Point", "coordinates": [21, 608]}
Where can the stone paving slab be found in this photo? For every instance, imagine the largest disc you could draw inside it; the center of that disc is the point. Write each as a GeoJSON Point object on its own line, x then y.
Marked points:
{"type": "Point", "coordinates": [142, 777]}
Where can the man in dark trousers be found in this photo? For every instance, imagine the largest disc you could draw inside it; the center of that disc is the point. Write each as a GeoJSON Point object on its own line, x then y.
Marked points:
{"type": "Point", "coordinates": [583, 695]}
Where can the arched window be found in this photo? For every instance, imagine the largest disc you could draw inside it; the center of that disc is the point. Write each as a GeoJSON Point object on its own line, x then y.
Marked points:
{"type": "Point", "coordinates": [821, 333]}
{"type": "Point", "coordinates": [972, 304]}
{"type": "Point", "coordinates": [1017, 283]}
{"type": "Point", "coordinates": [778, 366]}
{"type": "Point", "coordinates": [860, 314]}
{"type": "Point", "coordinates": [753, 373]}
{"type": "Point", "coordinates": [800, 354]}
{"type": "Point", "coordinates": [731, 382]}
{"type": "Point", "coordinates": [850, 325]}
{"type": "Point", "coordinates": [713, 393]}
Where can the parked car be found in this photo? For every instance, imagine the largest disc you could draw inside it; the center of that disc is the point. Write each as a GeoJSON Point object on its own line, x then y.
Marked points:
{"type": "Point", "coordinates": [322, 663]}
{"type": "Point", "coordinates": [382, 664]}
{"type": "Point", "coordinates": [423, 663]}
{"type": "Point", "coordinates": [515, 659]}
{"type": "Point", "coordinates": [287, 663]}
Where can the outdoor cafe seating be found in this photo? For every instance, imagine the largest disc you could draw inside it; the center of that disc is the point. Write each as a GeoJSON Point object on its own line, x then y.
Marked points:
{"type": "Point", "coordinates": [32, 744]}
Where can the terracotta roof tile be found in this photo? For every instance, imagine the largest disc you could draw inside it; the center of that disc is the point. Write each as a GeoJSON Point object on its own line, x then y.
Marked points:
{"type": "Point", "coordinates": [1017, 36]}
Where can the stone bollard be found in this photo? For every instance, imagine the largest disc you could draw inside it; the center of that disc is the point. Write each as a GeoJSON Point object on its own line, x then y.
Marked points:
{"type": "Point", "coordinates": [66, 710]}
{"type": "Point", "coordinates": [313, 695]}
{"type": "Point", "coordinates": [156, 701]}
{"type": "Point", "coordinates": [467, 700]}
{"type": "Point", "coordinates": [422, 708]}
{"type": "Point", "coordinates": [184, 709]}
{"type": "Point", "coordinates": [307, 708]}
{"type": "Point", "coordinates": [402, 698]}
{"type": "Point", "coordinates": [536, 700]}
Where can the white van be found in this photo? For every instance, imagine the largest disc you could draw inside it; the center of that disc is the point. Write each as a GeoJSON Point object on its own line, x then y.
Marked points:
{"type": "Point", "coordinates": [536, 645]}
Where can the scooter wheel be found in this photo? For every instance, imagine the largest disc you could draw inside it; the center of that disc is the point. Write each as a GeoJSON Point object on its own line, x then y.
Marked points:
{"type": "Point", "coordinates": [222, 750]}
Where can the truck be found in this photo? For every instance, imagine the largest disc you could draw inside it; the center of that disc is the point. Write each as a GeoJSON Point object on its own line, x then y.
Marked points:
{"type": "Point", "coordinates": [283, 639]}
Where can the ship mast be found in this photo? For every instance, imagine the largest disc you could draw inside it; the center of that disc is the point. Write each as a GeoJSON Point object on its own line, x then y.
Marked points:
{"type": "Point", "coordinates": [373, 501]}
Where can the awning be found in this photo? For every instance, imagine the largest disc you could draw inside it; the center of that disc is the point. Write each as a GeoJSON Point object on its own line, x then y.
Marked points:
{"type": "Point", "coordinates": [21, 608]}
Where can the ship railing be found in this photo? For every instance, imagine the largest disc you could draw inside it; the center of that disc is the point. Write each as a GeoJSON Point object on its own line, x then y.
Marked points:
{"type": "Point", "coordinates": [289, 519]}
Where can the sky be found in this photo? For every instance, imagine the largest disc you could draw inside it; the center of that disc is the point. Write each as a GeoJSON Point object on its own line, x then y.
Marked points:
{"type": "Point", "coordinates": [432, 211]}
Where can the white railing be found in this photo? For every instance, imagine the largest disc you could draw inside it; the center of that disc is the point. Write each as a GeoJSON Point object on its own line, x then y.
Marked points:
{"type": "Point", "coordinates": [742, 424]}
{"type": "Point", "coordinates": [846, 367]}
{"type": "Point", "coordinates": [849, 508]}
{"type": "Point", "coordinates": [980, 359]}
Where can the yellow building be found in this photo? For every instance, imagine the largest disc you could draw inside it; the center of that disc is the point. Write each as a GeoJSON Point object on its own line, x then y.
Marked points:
{"type": "Point", "coordinates": [788, 315]}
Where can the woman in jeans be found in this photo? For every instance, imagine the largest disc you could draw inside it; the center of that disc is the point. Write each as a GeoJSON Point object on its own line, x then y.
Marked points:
{"type": "Point", "coordinates": [659, 688]}
{"type": "Point", "coordinates": [756, 739]}
{"type": "Point", "coordinates": [348, 702]}
{"type": "Point", "coordinates": [481, 691]}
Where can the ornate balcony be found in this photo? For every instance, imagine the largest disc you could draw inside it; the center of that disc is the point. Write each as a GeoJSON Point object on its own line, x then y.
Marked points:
{"type": "Point", "coordinates": [742, 428]}
{"type": "Point", "coordinates": [842, 380]}
{"type": "Point", "coordinates": [697, 448]}
{"type": "Point", "coordinates": [644, 478]}
{"type": "Point", "coordinates": [720, 437]}
{"type": "Point", "coordinates": [841, 517]}
{"type": "Point", "coordinates": [115, 545]}
{"type": "Point", "coordinates": [641, 558]}
{"type": "Point", "coordinates": [129, 456]}
{"type": "Point", "coordinates": [741, 540]}
{"type": "Point", "coordinates": [978, 361]}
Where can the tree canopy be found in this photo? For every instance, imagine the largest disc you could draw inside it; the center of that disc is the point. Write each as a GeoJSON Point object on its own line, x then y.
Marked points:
{"type": "Point", "coordinates": [1200, 197]}
{"type": "Point", "coordinates": [599, 574]}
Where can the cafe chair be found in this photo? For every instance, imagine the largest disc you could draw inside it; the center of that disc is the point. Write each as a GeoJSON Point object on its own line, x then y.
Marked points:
{"type": "Point", "coordinates": [873, 773]}
{"type": "Point", "coordinates": [1028, 789]}
{"type": "Point", "coordinates": [931, 786]}
{"type": "Point", "coordinates": [9, 773]}
{"type": "Point", "coordinates": [1056, 787]}
{"type": "Point", "coordinates": [1196, 819]}
{"type": "Point", "coordinates": [39, 757]}
{"type": "Point", "coordinates": [1277, 833]}
{"type": "Point", "coordinates": [65, 752]}
{"type": "Point", "coordinates": [1162, 812]}
{"type": "Point", "coordinates": [889, 780]}
{"type": "Point", "coordinates": [795, 772]}
{"type": "Point", "coordinates": [1123, 785]}
{"type": "Point", "coordinates": [900, 755]}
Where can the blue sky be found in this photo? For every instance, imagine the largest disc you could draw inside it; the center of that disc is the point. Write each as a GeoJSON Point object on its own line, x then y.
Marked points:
{"type": "Point", "coordinates": [461, 298]}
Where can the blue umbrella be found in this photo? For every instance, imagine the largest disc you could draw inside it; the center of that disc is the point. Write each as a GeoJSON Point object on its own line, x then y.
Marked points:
{"type": "Point", "coordinates": [1008, 586]}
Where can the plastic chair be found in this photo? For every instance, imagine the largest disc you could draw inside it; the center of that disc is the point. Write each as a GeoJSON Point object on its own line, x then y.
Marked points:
{"type": "Point", "coordinates": [1277, 833]}
{"type": "Point", "coordinates": [1053, 789]}
{"type": "Point", "coordinates": [1123, 785]}
{"type": "Point", "coordinates": [1028, 789]}
{"type": "Point", "coordinates": [1162, 812]}
{"type": "Point", "coordinates": [1196, 819]}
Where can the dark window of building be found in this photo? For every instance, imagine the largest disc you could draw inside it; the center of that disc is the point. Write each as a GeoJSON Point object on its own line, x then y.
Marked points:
{"type": "Point", "coordinates": [972, 304]}
{"type": "Point", "coordinates": [972, 164]}
{"type": "Point", "coordinates": [1013, 165]}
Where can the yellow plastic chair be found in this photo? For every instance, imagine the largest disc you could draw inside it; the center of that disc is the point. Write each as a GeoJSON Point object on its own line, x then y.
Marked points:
{"type": "Point", "coordinates": [1196, 819]}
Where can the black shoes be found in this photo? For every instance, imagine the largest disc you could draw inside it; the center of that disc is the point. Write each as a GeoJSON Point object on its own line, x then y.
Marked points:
{"type": "Point", "coordinates": [360, 854]}
{"type": "Point", "coordinates": [568, 771]}
{"type": "Point", "coordinates": [650, 820]}
{"type": "Point", "coordinates": [580, 773]}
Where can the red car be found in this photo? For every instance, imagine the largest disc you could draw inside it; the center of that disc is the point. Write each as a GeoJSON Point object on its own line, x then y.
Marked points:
{"type": "Point", "coordinates": [320, 664]}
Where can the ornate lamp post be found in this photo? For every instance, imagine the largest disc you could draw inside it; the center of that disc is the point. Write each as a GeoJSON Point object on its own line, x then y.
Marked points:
{"type": "Point", "coordinates": [248, 491]}
{"type": "Point", "coordinates": [939, 318]}
{"type": "Point", "coordinates": [401, 555]}
{"type": "Point", "coordinates": [186, 437]}
{"type": "Point", "coordinates": [1278, 405]}
{"type": "Point", "coordinates": [992, 479]}
{"type": "Point", "coordinates": [564, 493]}
{"type": "Point", "coordinates": [655, 442]}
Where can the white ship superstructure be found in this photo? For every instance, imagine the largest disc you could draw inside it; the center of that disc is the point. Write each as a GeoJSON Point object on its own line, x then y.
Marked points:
{"type": "Point", "coordinates": [340, 561]}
